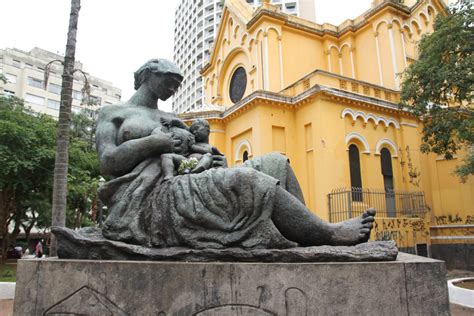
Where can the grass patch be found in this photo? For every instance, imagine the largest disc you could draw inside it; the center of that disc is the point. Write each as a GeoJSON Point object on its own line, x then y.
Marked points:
{"type": "Point", "coordinates": [7, 272]}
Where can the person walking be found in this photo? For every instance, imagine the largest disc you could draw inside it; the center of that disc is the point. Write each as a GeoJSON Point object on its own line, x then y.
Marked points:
{"type": "Point", "coordinates": [39, 249]}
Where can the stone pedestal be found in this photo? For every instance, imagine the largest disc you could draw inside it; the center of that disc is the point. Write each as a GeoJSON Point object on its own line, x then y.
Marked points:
{"type": "Point", "coordinates": [409, 286]}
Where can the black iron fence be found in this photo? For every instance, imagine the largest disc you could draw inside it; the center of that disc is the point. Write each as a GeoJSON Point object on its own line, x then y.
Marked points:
{"type": "Point", "coordinates": [347, 203]}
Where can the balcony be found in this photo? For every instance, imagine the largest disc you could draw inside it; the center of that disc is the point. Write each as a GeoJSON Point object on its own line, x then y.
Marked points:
{"type": "Point", "coordinates": [345, 203]}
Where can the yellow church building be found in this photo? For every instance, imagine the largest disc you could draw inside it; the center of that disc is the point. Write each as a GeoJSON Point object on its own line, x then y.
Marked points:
{"type": "Point", "coordinates": [327, 97]}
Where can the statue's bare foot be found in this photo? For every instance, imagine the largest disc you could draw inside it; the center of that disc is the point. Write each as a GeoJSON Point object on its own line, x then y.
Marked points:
{"type": "Point", "coordinates": [353, 231]}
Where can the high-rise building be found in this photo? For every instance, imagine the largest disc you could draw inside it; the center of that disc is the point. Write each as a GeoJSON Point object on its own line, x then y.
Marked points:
{"type": "Point", "coordinates": [303, 8]}
{"type": "Point", "coordinates": [24, 72]}
{"type": "Point", "coordinates": [196, 24]}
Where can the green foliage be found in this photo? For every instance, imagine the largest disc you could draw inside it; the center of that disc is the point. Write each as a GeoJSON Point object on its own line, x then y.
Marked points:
{"type": "Point", "coordinates": [83, 179]}
{"type": "Point", "coordinates": [26, 148]}
{"type": "Point", "coordinates": [3, 78]}
{"type": "Point", "coordinates": [27, 155]}
{"type": "Point", "coordinates": [438, 87]}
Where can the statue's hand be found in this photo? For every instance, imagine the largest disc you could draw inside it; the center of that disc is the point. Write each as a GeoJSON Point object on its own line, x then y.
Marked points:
{"type": "Point", "coordinates": [177, 143]}
{"type": "Point", "coordinates": [164, 142]}
{"type": "Point", "coordinates": [218, 159]}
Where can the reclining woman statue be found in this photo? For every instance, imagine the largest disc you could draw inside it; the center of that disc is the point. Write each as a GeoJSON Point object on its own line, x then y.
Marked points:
{"type": "Point", "coordinates": [258, 205]}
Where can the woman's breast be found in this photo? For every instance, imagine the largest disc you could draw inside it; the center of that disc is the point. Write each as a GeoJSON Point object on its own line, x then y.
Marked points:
{"type": "Point", "coordinates": [134, 128]}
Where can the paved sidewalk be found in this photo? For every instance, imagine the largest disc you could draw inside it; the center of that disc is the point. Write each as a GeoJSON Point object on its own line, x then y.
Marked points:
{"type": "Point", "coordinates": [6, 307]}
{"type": "Point", "coordinates": [458, 310]}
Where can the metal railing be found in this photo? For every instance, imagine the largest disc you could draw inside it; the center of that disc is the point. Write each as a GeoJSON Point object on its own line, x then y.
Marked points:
{"type": "Point", "coordinates": [345, 203]}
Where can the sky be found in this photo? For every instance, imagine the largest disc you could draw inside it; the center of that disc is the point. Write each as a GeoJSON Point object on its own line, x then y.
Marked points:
{"type": "Point", "coordinates": [115, 37]}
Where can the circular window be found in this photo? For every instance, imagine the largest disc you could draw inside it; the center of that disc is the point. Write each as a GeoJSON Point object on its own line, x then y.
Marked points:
{"type": "Point", "coordinates": [238, 84]}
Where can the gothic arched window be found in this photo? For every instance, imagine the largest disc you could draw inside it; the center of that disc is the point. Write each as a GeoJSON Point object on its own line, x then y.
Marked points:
{"type": "Point", "coordinates": [387, 173]}
{"type": "Point", "coordinates": [356, 178]}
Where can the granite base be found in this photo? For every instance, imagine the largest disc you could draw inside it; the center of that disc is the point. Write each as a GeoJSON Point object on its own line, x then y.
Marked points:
{"type": "Point", "coordinates": [411, 285]}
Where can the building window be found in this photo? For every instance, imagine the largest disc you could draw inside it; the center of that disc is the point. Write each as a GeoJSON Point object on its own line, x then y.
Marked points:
{"type": "Point", "coordinates": [31, 98]}
{"type": "Point", "coordinates": [11, 78]}
{"type": "Point", "coordinates": [37, 83]}
{"type": "Point", "coordinates": [8, 93]}
{"type": "Point", "coordinates": [94, 100]}
{"type": "Point", "coordinates": [238, 84]}
{"type": "Point", "coordinates": [16, 63]}
{"type": "Point", "coordinates": [245, 156]}
{"type": "Point", "coordinates": [387, 173]}
{"type": "Point", "coordinates": [53, 104]}
{"type": "Point", "coordinates": [354, 168]}
{"type": "Point", "coordinates": [54, 88]}
{"type": "Point", "coordinates": [77, 95]}
{"type": "Point", "coordinates": [76, 109]}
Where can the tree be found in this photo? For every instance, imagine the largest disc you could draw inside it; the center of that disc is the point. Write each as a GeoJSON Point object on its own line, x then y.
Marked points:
{"type": "Point", "coordinates": [62, 142]}
{"type": "Point", "coordinates": [438, 87]}
{"type": "Point", "coordinates": [27, 158]}
{"type": "Point", "coordinates": [84, 172]}
{"type": "Point", "coordinates": [27, 152]}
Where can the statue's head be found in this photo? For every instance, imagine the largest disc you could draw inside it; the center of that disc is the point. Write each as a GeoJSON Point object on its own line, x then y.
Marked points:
{"type": "Point", "coordinates": [200, 128]}
{"type": "Point", "coordinates": [161, 75]}
{"type": "Point", "coordinates": [187, 140]}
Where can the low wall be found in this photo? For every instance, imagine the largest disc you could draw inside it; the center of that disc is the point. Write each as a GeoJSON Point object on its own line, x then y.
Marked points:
{"type": "Point", "coordinates": [453, 243]}
{"type": "Point", "coordinates": [458, 256]}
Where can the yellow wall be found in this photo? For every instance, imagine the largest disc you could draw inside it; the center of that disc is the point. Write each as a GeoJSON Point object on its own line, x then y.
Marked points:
{"type": "Point", "coordinates": [276, 54]}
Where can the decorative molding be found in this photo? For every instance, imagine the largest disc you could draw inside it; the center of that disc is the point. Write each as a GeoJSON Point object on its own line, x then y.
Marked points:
{"type": "Point", "coordinates": [379, 62]}
{"type": "Point", "coordinates": [267, 73]}
{"type": "Point", "coordinates": [394, 56]}
{"type": "Point", "coordinates": [360, 138]}
{"type": "Point", "coordinates": [281, 63]}
{"type": "Point", "coordinates": [409, 124]}
{"type": "Point", "coordinates": [243, 143]}
{"type": "Point", "coordinates": [404, 49]}
{"type": "Point", "coordinates": [220, 131]}
{"type": "Point", "coordinates": [370, 116]}
{"type": "Point", "coordinates": [329, 61]}
{"type": "Point", "coordinates": [352, 63]}
{"type": "Point", "coordinates": [385, 142]}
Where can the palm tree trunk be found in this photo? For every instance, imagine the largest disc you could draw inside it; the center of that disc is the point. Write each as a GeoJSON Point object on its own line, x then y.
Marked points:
{"type": "Point", "coordinates": [62, 140]}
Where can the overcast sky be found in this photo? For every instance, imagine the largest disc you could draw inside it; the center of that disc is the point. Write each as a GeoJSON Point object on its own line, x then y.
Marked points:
{"type": "Point", "coordinates": [115, 37]}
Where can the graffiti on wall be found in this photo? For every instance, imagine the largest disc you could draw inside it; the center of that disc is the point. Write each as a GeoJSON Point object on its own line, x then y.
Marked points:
{"type": "Point", "coordinates": [413, 173]}
{"type": "Point", "coordinates": [406, 232]}
{"type": "Point", "coordinates": [454, 219]}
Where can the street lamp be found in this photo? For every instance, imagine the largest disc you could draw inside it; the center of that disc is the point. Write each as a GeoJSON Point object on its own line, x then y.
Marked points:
{"type": "Point", "coordinates": [101, 183]}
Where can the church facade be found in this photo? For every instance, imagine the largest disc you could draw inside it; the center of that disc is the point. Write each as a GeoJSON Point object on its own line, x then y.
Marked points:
{"type": "Point", "coordinates": [327, 97]}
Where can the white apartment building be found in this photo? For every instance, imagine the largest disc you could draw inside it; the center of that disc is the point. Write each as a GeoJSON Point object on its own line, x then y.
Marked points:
{"type": "Point", "coordinates": [196, 24]}
{"type": "Point", "coordinates": [302, 8]}
{"type": "Point", "coordinates": [24, 72]}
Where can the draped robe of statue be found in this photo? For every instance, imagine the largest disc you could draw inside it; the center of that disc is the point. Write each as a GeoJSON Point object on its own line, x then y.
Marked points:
{"type": "Point", "coordinates": [218, 208]}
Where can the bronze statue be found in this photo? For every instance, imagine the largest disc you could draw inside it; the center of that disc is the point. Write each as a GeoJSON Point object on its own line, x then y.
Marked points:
{"type": "Point", "coordinates": [258, 205]}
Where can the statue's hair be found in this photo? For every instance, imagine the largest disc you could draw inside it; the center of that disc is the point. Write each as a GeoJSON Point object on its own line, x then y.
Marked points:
{"type": "Point", "coordinates": [158, 65]}
{"type": "Point", "coordinates": [198, 122]}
